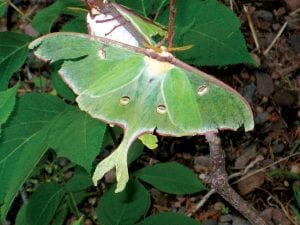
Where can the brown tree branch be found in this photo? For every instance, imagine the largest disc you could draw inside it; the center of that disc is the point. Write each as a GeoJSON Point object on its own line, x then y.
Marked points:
{"type": "Point", "coordinates": [218, 180]}
{"type": "Point", "coordinates": [171, 31]}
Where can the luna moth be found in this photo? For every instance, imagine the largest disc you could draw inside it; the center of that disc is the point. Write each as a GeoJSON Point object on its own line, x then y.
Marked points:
{"type": "Point", "coordinates": [142, 91]}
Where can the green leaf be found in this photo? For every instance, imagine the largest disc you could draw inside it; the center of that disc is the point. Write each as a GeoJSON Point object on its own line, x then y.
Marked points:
{"type": "Point", "coordinates": [75, 25]}
{"type": "Point", "coordinates": [135, 151]}
{"type": "Point", "coordinates": [13, 53]}
{"type": "Point", "coordinates": [123, 208]}
{"type": "Point", "coordinates": [172, 178]}
{"type": "Point", "coordinates": [21, 216]}
{"type": "Point", "coordinates": [79, 182]}
{"type": "Point", "coordinates": [24, 135]}
{"type": "Point", "coordinates": [37, 118]}
{"type": "Point", "coordinates": [60, 215]}
{"type": "Point", "coordinates": [62, 89]}
{"type": "Point", "coordinates": [77, 136]}
{"type": "Point", "coordinates": [168, 219]}
{"type": "Point", "coordinates": [3, 5]}
{"type": "Point", "coordinates": [130, 88]}
{"type": "Point", "coordinates": [212, 29]}
{"type": "Point", "coordinates": [143, 7]}
{"type": "Point", "coordinates": [7, 103]}
{"type": "Point", "coordinates": [51, 14]}
{"type": "Point", "coordinates": [43, 203]}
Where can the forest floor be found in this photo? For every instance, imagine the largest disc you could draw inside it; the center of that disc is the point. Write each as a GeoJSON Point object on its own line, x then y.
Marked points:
{"type": "Point", "coordinates": [264, 164]}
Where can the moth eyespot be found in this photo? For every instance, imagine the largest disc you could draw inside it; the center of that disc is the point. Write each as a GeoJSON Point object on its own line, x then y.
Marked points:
{"type": "Point", "coordinates": [125, 100]}
{"type": "Point", "coordinates": [203, 89]}
{"type": "Point", "coordinates": [161, 109]}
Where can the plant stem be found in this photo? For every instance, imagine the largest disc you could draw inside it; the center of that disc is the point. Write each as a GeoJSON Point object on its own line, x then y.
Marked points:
{"type": "Point", "coordinates": [218, 180]}
{"type": "Point", "coordinates": [171, 23]}
{"type": "Point", "coordinates": [73, 204]}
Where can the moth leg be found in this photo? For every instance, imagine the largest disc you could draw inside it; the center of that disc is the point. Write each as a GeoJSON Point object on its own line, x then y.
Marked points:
{"type": "Point", "coordinates": [115, 27]}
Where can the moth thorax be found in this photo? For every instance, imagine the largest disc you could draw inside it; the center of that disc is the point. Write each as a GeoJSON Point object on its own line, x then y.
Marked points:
{"type": "Point", "coordinates": [156, 67]}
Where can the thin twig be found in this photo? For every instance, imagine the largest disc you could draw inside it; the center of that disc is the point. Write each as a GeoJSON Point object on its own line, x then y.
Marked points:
{"type": "Point", "coordinates": [276, 38]}
{"type": "Point", "coordinates": [264, 168]}
{"type": "Point", "coordinates": [231, 4]}
{"type": "Point", "coordinates": [295, 12]}
{"type": "Point", "coordinates": [244, 176]}
{"type": "Point", "coordinates": [281, 206]}
{"type": "Point", "coordinates": [234, 175]}
{"type": "Point", "coordinates": [19, 11]}
{"type": "Point", "coordinates": [253, 31]}
{"type": "Point", "coordinates": [218, 180]}
{"type": "Point", "coordinates": [203, 200]}
{"type": "Point", "coordinates": [171, 31]}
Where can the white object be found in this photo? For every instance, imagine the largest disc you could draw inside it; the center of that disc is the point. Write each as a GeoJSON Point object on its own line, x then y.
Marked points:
{"type": "Point", "coordinates": [106, 26]}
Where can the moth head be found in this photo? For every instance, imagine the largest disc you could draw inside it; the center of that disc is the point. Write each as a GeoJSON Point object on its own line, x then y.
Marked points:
{"type": "Point", "coordinates": [93, 5]}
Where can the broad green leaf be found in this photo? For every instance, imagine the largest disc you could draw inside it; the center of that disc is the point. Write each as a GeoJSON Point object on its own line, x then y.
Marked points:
{"type": "Point", "coordinates": [135, 151]}
{"type": "Point", "coordinates": [149, 140]}
{"type": "Point", "coordinates": [21, 216]}
{"type": "Point", "coordinates": [75, 25]}
{"type": "Point", "coordinates": [79, 182]}
{"type": "Point", "coordinates": [7, 103]}
{"type": "Point", "coordinates": [143, 7]}
{"type": "Point", "coordinates": [61, 88]}
{"type": "Point", "coordinates": [169, 219]}
{"type": "Point", "coordinates": [172, 178]}
{"type": "Point", "coordinates": [28, 132]}
{"type": "Point", "coordinates": [13, 52]}
{"type": "Point", "coordinates": [60, 216]}
{"type": "Point", "coordinates": [51, 14]}
{"type": "Point", "coordinates": [22, 145]}
{"type": "Point", "coordinates": [130, 88]}
{"type": "Point", "coordinates": [212, 29]}
{"type": "Point", "coordinates": [77, 136]}
{"type": "Point", "coordinates": [3, 5]}
{"type": "Point", "coordinates": [43, 203]}
{"type": "Point", "coordinates": [123, 208]}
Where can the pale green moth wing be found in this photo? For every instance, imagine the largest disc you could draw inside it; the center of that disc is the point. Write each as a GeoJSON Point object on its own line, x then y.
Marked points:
{"type": "Point", "coordinates": [128, 87]}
